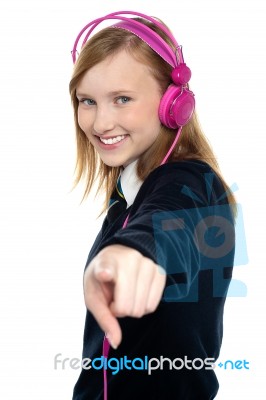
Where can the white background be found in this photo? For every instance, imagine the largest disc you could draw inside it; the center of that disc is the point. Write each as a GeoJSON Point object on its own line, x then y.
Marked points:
{"type": "Point", "coordinates": [45, 234]}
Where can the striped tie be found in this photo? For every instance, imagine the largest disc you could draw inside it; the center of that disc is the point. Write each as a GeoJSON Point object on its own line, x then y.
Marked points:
{"type": "Point", "coordinates": [117, 203]}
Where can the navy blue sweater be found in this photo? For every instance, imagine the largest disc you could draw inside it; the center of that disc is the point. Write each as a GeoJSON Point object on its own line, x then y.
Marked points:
{"type": "Point", "coordinates": [181, 220]}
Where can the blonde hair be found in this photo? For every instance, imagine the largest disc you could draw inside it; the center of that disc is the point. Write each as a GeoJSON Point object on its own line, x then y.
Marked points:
{"type": "Point", "coordinates": [192, 145]}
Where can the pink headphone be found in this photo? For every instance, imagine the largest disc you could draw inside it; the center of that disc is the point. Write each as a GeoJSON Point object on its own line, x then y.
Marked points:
{"type": "Point", "coordinates": [178, 102]}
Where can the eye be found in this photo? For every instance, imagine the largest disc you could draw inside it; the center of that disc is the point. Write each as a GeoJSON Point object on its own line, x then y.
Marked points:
{"type": "Point", "coordinates": [123, 99]}
{"type": "Point", "coordinates": [87, 102]}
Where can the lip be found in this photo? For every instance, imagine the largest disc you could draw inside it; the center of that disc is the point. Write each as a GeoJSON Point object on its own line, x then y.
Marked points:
{"type": "Point", "coordinates": [110, 146]}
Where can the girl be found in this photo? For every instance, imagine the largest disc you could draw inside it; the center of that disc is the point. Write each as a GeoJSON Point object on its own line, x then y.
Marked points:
{"type": "Point", "coordinates": [157, 275]}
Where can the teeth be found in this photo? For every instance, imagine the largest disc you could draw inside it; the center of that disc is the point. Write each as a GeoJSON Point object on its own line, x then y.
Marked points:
{"type": "Point", "coordinates": [113, 140]}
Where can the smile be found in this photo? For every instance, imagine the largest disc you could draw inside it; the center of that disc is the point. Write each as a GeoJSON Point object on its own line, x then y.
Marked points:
{"type": "Point", "coordinates": [112, 140]}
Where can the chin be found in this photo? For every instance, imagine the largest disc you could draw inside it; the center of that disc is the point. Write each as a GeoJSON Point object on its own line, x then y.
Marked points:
{"type": "Point", "coordinates": [112, 163]}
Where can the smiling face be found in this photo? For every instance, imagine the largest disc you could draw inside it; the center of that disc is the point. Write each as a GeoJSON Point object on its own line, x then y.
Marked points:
{"type": "Point", "coordinates": [118, 108]}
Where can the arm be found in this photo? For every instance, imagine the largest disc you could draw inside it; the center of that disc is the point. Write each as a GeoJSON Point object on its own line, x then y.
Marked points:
{"type": "Point", "coordinates": [125, 279]}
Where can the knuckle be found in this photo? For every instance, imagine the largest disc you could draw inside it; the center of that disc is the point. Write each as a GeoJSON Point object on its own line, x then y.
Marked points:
{"type": "Point", "coordinates": [138, 313]}
{"type": "Point", "coordinates": [150, 309]}
{"type": "Point", "coordinates": [121, 310]}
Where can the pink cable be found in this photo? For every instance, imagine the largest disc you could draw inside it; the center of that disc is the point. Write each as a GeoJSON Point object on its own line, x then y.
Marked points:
{"type": "Point", "coordinates": [172, 146]}
{"type": "Point", "coordinates": [106, 348]}
{"type": "Point", "coordinates": [106, 344]}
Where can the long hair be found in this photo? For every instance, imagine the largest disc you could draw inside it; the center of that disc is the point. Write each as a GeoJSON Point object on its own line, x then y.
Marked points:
{"type": "Point", "coordinates": [192, 143]}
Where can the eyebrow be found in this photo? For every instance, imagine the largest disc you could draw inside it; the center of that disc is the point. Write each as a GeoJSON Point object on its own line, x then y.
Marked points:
{"type": "Point", "coordinates": [112, 93]}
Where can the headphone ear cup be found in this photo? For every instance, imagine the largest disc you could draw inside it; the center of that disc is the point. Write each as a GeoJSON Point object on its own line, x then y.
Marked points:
{"type": "Point", "coordinates": [176, 106]}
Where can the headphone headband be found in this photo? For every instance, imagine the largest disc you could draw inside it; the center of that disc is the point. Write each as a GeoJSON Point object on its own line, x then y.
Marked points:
{"type": "Point", "coordinates": [152, 39]}
{"type": "Point", "coordinates": [142, 31]}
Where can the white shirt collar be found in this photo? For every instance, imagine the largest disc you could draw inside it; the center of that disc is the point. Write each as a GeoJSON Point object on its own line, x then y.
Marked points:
{"type": "Point", "coordinates": [130, 182]}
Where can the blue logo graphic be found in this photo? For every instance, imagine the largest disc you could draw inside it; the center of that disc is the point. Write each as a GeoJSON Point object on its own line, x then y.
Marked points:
{"type": "Point", "coordinates": [203, 238]}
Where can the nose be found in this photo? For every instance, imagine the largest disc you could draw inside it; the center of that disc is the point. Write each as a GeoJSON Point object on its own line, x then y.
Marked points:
{"type": "Point", "coordinates": [103, 121]}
